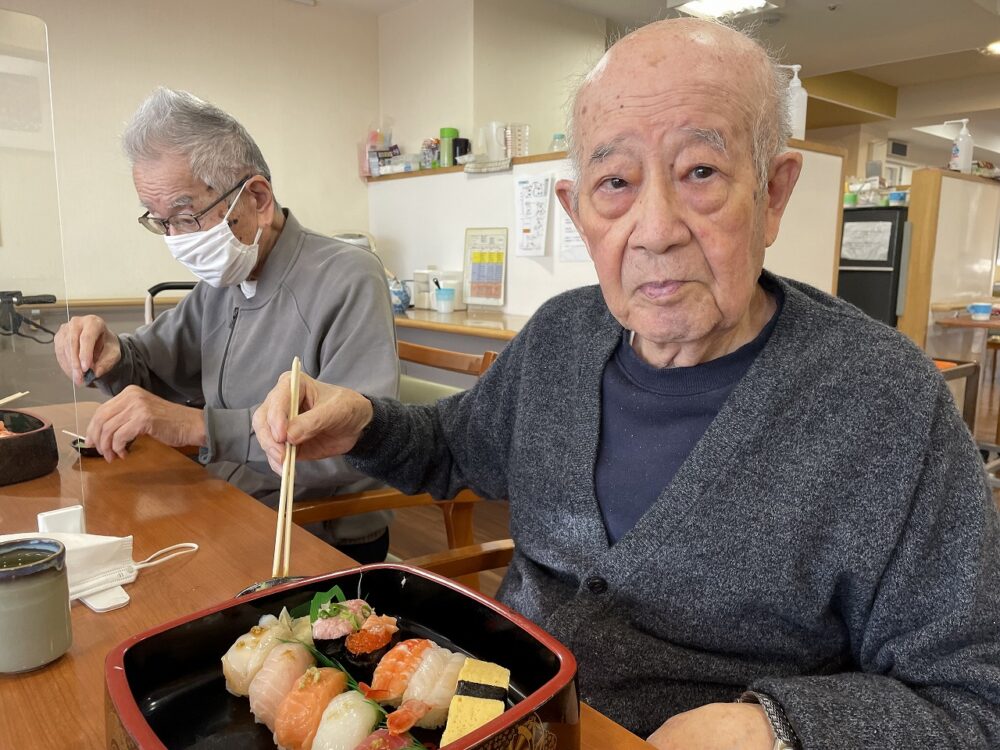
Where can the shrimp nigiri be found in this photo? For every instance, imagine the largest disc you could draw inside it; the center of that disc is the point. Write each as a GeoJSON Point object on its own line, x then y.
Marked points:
{"type": "Point", "coordinates": [300, 711]}
{"type": "Point", "coordinates": [346, 722]}
{"type": "Point", "coordinates": [383, 739]}
{"type": "Point", "coordinates": [245, 657]}
{"type": "Point", "coordinates": [281, 669]}
{"type": "Point", "coordinates": [393, 673]}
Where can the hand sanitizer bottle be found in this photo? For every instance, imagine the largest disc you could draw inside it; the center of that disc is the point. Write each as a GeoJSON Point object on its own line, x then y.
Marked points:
{"type": "Point", "coordinates": [961, 148]}
{"type": "Point", "coordinates": [798, 99]}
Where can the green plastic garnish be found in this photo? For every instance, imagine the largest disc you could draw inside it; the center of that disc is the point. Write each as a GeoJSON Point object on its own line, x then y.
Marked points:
{"type": "Point", "coordinates": [323, 598]}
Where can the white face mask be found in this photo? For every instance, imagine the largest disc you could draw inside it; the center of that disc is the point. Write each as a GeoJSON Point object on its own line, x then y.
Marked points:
{"type": "Point", "coordinates": [97, 563]}
{"type": "Point", "coordinates": [216, 255]}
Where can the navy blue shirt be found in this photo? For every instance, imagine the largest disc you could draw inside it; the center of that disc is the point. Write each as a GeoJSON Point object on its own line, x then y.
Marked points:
{"type": "Point", "coordinates": [651, 418]}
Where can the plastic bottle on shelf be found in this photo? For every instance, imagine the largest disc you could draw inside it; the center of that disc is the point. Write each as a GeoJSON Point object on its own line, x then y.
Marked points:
{"type": "Point", "coordinates": [961, 148]}
{"type": "Point", "coordinates": [558, 142]}
{"type": "Point", "coordinates": [446, 156]}
{"type": "Point", "coordinates": [798, 100]}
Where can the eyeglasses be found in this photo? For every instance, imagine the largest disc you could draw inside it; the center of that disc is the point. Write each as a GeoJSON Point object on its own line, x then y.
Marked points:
{"type": "Point", "coordinates": [186, 223]}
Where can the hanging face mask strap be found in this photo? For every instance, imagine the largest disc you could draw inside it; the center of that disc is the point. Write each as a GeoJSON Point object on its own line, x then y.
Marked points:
{"type": "Point", "coordinates": [225, 219]}
{"type": "Point", "coordinates": [167, 553]}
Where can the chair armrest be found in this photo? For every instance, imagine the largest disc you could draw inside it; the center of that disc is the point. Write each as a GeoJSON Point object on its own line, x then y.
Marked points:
{"type": "Point", "coordinates": [349, 504]}
{"type": "Point", "coordinates": [465, 560]}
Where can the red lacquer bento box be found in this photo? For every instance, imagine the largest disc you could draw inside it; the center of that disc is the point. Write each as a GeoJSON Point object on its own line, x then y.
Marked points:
{"type": "Point", "coordinates": [165, 687]}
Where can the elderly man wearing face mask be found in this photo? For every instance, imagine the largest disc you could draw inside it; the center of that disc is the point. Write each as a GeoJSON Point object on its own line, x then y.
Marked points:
{"type": "Point", "coordinates": [270, 290]}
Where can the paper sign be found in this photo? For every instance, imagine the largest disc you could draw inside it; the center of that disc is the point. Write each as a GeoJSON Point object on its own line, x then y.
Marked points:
{"type": "Point", "coordinates": [531, 208]}
{"type": "Point", "coordinates": [866, 240]}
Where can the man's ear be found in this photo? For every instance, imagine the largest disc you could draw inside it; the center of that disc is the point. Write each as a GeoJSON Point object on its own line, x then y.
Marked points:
{"type": "Point", "coordinates": [785, 170]}
{"type": "Point", "coordinates": [260, 191]}
{"type": "Point", "coordinates": [566, 190]}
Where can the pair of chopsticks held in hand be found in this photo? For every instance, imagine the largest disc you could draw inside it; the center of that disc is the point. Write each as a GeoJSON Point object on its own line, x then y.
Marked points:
{"type": "Point", "coordinates": [283, 530]}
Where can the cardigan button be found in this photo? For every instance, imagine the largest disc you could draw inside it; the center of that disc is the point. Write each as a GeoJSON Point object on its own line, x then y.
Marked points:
{"type": "Point", "coordinates": [597, 585]}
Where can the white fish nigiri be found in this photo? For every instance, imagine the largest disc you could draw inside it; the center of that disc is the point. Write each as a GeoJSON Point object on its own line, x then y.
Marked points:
{"type": "Point", "coordinates": [245, 657]}
{"type": "Point", "coordinates": [286, 663]}
{"type": "Point", "coordinates": [346, 722]}
{"type": "Point", "coordinates": [434, 683]}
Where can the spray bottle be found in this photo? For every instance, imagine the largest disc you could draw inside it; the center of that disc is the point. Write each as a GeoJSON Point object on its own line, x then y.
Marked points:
{"type": "Point", "coordinates": [798, 98]}
{"type": "Point", "coordinates": [961, 148]}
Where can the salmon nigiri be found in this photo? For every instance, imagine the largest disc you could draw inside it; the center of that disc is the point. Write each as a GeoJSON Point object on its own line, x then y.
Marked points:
{"type": "Point", "coordinates": [393, 673]}
{"type": "Point", "coordinates": [281, 670]}
{"type": "Point", "coordinates": [300, 711]}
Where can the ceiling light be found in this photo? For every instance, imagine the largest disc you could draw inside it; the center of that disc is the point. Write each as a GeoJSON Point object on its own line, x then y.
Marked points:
{"type": "Point", "coordinates": [720, 8]}
{"type": "Point", "coordinates": [993, 48]}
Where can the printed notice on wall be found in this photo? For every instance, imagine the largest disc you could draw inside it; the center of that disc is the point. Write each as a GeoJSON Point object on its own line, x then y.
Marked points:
{"type": "Point", "coordinates": [531, 207]}
{"type": "Point", "coordinates": [571, 247]}
{"type": "Point", "coordinates": [866, 240]}
{"type": "Point", "coordinates": [485, 261]}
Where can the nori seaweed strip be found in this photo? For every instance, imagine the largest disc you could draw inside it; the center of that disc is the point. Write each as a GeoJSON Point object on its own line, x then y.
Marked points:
{"type": "Point", "coordinates": [479, 690]}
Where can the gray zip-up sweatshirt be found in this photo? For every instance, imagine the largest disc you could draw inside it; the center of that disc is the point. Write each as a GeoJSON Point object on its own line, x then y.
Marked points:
{"type": "Point", "coordinates": [830, 540]}
{"type": "Point", "coordinates": [322, 300]}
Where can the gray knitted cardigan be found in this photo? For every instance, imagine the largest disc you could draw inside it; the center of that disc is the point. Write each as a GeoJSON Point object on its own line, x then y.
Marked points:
{"type": "Point", "coordinates": [830, 541]}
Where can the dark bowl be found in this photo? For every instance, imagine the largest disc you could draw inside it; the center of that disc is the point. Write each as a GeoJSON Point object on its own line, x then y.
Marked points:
{"type": "Point", "coordinates": [87, 451]}
{"type": "Point", "coordinates": [165, 687]}
{"type": "Point", "coordinates": [90, 451]}
{"type": "Point", "coordinates": [31, 452]}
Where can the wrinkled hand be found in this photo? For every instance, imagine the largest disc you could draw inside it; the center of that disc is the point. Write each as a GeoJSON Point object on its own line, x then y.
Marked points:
{"type": "Point", "coordinates": [85, 343]}
{"type": "Point", "coordinates": [329, 423]}
{"type": "Point", "coordinates": [716, 726]}
{"type": "Point", "coordinates": [135, 412]}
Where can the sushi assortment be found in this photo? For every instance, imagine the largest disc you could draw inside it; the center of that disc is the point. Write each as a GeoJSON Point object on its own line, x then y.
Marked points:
{"type": "Point", "coordinates": [292, 670]}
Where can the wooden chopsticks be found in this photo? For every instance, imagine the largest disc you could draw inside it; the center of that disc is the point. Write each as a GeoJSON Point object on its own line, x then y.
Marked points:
{"type": "Point", "coordinates": [283, 530]}
{"type": "Point", "coordinates": [12, 397]}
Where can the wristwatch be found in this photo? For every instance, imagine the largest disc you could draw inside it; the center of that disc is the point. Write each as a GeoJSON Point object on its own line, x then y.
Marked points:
{"type": "Point", "coordinates": [784, 736]}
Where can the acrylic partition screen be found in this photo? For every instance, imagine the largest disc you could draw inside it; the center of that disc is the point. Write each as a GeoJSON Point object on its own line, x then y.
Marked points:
{"type": "Point", "coordinates": [32, 276]}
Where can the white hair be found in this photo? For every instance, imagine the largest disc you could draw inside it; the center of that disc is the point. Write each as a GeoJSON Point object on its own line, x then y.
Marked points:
{"type": "Point", "coordinates": [770, 127]}
{"type": "Point", "coordinates": [219, 150]}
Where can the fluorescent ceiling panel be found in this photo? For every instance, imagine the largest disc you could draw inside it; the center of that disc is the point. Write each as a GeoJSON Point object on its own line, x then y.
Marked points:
{"type": "Point", "coordinates": [721, 8]}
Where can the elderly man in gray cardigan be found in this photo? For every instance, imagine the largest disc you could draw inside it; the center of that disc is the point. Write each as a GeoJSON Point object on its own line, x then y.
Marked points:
{"type": "Point", "coordinates": [753, 513]}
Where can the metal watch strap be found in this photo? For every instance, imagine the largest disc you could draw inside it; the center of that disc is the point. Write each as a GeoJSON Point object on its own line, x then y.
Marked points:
{"type": "Point", "coordinates": [785, 737]}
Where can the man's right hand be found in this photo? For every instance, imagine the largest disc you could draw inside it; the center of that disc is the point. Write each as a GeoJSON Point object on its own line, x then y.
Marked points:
{"type": "Point", "coordinates": [86, 343]}
{"type": "Point", "coordinates": [330, 420]}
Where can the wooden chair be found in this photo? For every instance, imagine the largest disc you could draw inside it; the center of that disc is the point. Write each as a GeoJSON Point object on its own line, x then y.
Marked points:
{"type": "Point", "coordinates": [457, 512]}
{"type": "Point", "coordinates": [465, 563]}
{"type": "Point", "coordinates": [951, 369]}
{"type": "Point", "coordinates": [992, 346]}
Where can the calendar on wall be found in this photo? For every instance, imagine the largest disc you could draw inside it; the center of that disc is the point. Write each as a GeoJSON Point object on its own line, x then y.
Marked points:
{"type": "Point", "coordinates": [485, 265]}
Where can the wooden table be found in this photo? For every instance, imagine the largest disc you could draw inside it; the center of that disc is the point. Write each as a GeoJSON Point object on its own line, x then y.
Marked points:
{"type": "Point", "coordinates": [162, 498]}
{"type": "Point", "coordinates": [966, 321]}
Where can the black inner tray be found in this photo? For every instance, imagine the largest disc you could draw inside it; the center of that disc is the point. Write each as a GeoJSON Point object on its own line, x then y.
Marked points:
{"type": "Point", "coordinates": [176, 676]}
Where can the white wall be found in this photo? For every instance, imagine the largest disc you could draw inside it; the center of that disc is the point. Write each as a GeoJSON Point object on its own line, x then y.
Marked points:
{"type": "Point", "coordinates": [966, 241]}
{"type": "Point", "coordinates": [463, 63]}
{"type": "Point", "coordinates": [806, 248]}
{"type": "Point", "coordinates": [529, 58]}
{"type": "Point", "coordinates": [303, 80]}
{"type": "Point", "coordinates": [425, 65]}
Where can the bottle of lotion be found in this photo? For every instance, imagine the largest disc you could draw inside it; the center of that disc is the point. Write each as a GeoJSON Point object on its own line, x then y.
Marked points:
{"type": "Point", "coordinates": [961, 148]}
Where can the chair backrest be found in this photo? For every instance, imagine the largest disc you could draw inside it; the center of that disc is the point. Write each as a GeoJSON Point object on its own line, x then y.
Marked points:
{"type": "Point", "coordinates": [149, 313]}
{"type": "Point", "coordinates": [444, 359]}
{"type": "Point", "coordinates": [420, 391]}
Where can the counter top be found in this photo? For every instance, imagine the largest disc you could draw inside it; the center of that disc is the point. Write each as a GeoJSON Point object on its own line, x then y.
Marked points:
{"type": "Point", "coordinates": [488, 324]}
